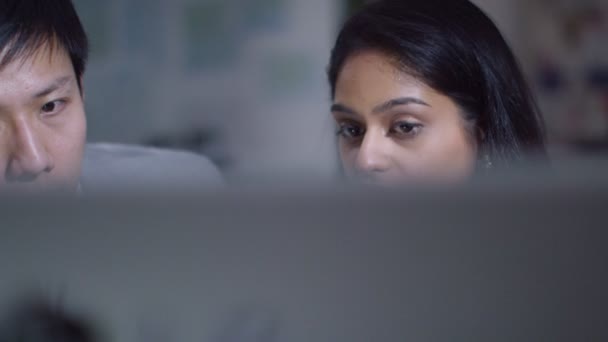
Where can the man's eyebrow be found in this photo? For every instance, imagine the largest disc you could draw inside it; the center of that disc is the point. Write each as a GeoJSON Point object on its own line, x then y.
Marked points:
{"type": "Point", "coordinates": [57, 84]}
{"type": "Point", "coordinates": [340, 108]}
{"type": "Point", "coordinates": [398, 102]}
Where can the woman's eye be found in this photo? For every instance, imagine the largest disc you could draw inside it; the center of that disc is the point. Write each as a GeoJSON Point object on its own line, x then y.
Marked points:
{"type": "Point", "coordinates": [406, 128]}
{"type": "Point", "coordinates": [52, 107]}
{"type": "Point", "coordinates": [350, 131]}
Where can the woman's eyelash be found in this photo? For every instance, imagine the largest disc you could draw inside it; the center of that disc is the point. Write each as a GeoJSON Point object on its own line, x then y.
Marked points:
{"type": "Point", "coordinates": [349, 130]}
{"type": "Point", "coordinates": [408, 128]}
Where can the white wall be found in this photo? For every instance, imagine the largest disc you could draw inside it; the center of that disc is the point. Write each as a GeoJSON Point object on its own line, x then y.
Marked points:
{"type": "Point", "coordinates": [266, 97]}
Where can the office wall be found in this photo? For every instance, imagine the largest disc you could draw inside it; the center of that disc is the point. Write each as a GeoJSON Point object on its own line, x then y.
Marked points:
{"type": "Point", "coordinates": [242, 81]}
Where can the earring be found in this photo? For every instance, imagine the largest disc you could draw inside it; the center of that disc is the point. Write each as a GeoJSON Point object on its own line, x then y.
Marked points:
{"type": "Point", "coordinates": [487, 162]}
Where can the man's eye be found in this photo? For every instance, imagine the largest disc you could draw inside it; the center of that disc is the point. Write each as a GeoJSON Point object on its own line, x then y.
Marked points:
{"type": "Point", "coordinates": [350, 131]}
{"type": "Point", "coordinates": [406, 128]}
{"type": "Point", "coordinates": [52, 107]}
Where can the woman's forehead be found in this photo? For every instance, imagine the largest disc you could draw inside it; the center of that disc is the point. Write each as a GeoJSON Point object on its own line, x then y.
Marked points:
{"type": "Point", "coordinates": [373, 76]}
{"type": "Point", "coordinates": [377, 67]}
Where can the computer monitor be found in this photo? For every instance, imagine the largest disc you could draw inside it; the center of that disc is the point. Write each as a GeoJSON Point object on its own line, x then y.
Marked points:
{"type": "Point", "coordinates": [509, 259]}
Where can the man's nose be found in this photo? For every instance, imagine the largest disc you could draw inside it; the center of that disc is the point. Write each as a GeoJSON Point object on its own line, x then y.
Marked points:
{"type": "Point", "coordinates": [29, 157]}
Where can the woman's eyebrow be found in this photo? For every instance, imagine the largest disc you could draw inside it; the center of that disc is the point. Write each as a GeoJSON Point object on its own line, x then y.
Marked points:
{"type": "Point", "coordinates": [398, 102]}
{"type": "Point", "coordinates": [401, 101]}
{"type": "Point", "coordinates": [340, 108]}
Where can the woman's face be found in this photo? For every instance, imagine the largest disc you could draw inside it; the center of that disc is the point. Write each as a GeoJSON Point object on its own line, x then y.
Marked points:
{"type": "Point", "coordinates": [393, 128]}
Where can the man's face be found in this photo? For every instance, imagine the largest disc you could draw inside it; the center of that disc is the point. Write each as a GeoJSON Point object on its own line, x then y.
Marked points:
{"type": "Point", "coordinates": [42, 123]}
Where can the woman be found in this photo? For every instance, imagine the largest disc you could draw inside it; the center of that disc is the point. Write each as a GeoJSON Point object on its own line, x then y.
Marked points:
{"type": "Point", "coordinates": [428, 90]}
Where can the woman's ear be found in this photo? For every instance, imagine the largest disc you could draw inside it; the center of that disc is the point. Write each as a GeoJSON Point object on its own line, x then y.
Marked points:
{"type": "Point", "coordinates": [80, 82]}
{"type": "Point", "coordinates": [483, 155]}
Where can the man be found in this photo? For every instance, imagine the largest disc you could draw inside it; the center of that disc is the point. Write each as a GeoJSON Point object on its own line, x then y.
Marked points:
{"type": "Point", "coordinates": [43, 53]}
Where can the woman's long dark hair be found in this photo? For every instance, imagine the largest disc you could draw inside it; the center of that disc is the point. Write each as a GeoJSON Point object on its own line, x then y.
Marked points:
{"type": "Point", "coordinates": [457, 50]}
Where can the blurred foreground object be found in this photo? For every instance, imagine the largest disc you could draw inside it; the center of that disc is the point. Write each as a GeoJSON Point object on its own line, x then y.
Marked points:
{"type": "Point", "coordinates": [519, 257]}
{"type": "Point", "coordinates": [37, 320]}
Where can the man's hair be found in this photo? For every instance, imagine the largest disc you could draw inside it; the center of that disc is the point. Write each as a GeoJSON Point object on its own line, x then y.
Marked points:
{"type": "Point", "coordinates": [28, 25]}
{"type": "Point", "coordinates": [38, 321]}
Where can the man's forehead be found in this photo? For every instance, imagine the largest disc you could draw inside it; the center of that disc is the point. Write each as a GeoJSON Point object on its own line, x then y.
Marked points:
{"type": "Point", "coordinates": [24, 79]}
{"type": "Point", "coordinates": [43, 55]}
